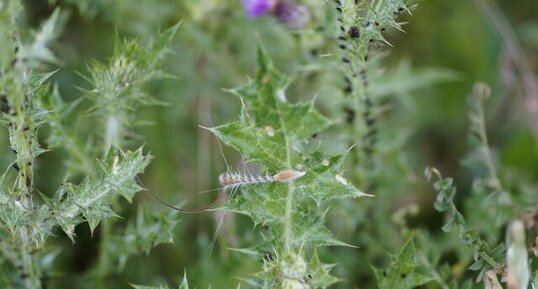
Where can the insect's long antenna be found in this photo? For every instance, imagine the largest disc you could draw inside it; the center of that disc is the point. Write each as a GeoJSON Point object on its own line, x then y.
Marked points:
{"type": "Point", "coordinates": [209, 191]}
{"type": "Point", "coordinates": [216, 234]}
{"type": "Point", "coordinates": [221, 195]}
{"type": "Point", "coordinates": [220, 146]}
{"type": "Point", "coordinates": [221, 221]}
{"type": "Point", "coordinates": [211, 205]}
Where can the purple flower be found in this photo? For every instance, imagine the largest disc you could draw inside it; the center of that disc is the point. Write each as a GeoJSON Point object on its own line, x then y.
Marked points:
{"type": "Point", "coordinates": [255, 8]}
{"type": "Point", "coordinates": [294, 15]}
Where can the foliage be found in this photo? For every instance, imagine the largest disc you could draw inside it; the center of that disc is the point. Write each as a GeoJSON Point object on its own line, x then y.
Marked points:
{"type": "Point", "coordinates": [269, 132]}
{"type": "Point", "coordinates": [402, 270]}
{"type": "Point", "coordinates": [340, 98]}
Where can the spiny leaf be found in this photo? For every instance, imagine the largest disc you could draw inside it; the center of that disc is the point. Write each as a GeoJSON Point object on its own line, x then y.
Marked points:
{"type": "Point", "coordinates": [482, 252]}
{"type": "Point", "coordinates": [272, 131]}
{"type": "Point", "coordinates": [118, 87]}
{"type": "Point", "coordinates": [147, 231]}
{"type": "Point", "coordinates": [184, 283]}
{"type": "Point", "coordinates": [402, 272]}
{"type": "Point", "coordinates": [91, 199]}
{"type": "Point", "coordinates": [318, 273]}
{"type": "Point", "coordinates": [274, 124]}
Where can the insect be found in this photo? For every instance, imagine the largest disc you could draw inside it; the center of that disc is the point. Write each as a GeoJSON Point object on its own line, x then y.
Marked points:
{"type": "Point", "coordinates": [233, 181]}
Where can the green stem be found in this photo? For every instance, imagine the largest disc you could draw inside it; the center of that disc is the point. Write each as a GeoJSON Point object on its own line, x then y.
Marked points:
{"type": "Point", "coordinates": [485, 147]}
{"type": "Point", "coordinates": [31, 275]}
{"type": "Point", "coordinates": [104, 263]}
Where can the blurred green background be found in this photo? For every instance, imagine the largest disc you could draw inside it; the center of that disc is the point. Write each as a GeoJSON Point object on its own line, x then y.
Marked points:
{"type": "Point", "coordinates": [427, 77]}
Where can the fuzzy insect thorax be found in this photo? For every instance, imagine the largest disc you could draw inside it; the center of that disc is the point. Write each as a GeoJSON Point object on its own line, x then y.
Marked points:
{"type": "Point", "coordinates": [288, 175]}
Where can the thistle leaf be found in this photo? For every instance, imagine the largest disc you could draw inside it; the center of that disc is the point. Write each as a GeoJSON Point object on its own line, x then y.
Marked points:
{"type": "Point", "coordinates": [402, 272]}
{"type": "Point", "coordinates": [147, 231]}
{"type": "Point", "coordinates": [273, 132]}
{"type": "Point", "coordinates": [91, 199]}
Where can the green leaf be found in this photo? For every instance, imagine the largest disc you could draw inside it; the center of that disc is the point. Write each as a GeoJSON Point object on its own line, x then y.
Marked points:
{"type": "Point", "coordinates": [274, 124]}
{"type": "Point", "coordinates": [91, 198]}
{"type": "Point", "coordinates": [147, 231]}
{"type": "Point", "coordinates": [118, 88]}
{"type": "Point", "coordinates": [184, 284]}
{"type": "Point", "coordinates": [267, 136]}
{"type": "Point", "coordinates": [275, 133]}
{"type": "Point", "coordinates": [402, 271]}
{"type": "Point", "coordinates": [470, 237]}
{"type": "Point", "coordinates": [318, 273]}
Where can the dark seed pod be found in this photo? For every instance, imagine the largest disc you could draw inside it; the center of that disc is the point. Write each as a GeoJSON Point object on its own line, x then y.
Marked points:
{"type": "Point", "coordinates": [350, 114]}
{"type": "Point", "coordinates": [4, 105]}
{"type": "Point", "coordinates": [354, 32]}
{"type": "Point", "coordinates": [268, 256]}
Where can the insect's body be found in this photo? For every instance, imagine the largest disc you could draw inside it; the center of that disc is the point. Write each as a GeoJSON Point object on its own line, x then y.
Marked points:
{"type": "Point", "coordinates": [234, 180]}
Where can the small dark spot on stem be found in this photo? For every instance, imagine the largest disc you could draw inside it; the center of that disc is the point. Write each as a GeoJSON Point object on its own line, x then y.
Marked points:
{"type": "Point", "coordinates": [4, 105]}
{"type": "Point", "coordinates": [372, 133]}
{"type": "Point", "coordinates": [354, 32]}
{"type": "Point", "coordinates": [268, 256]}
{"type": "Point", "coordinates": [350, 114]}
